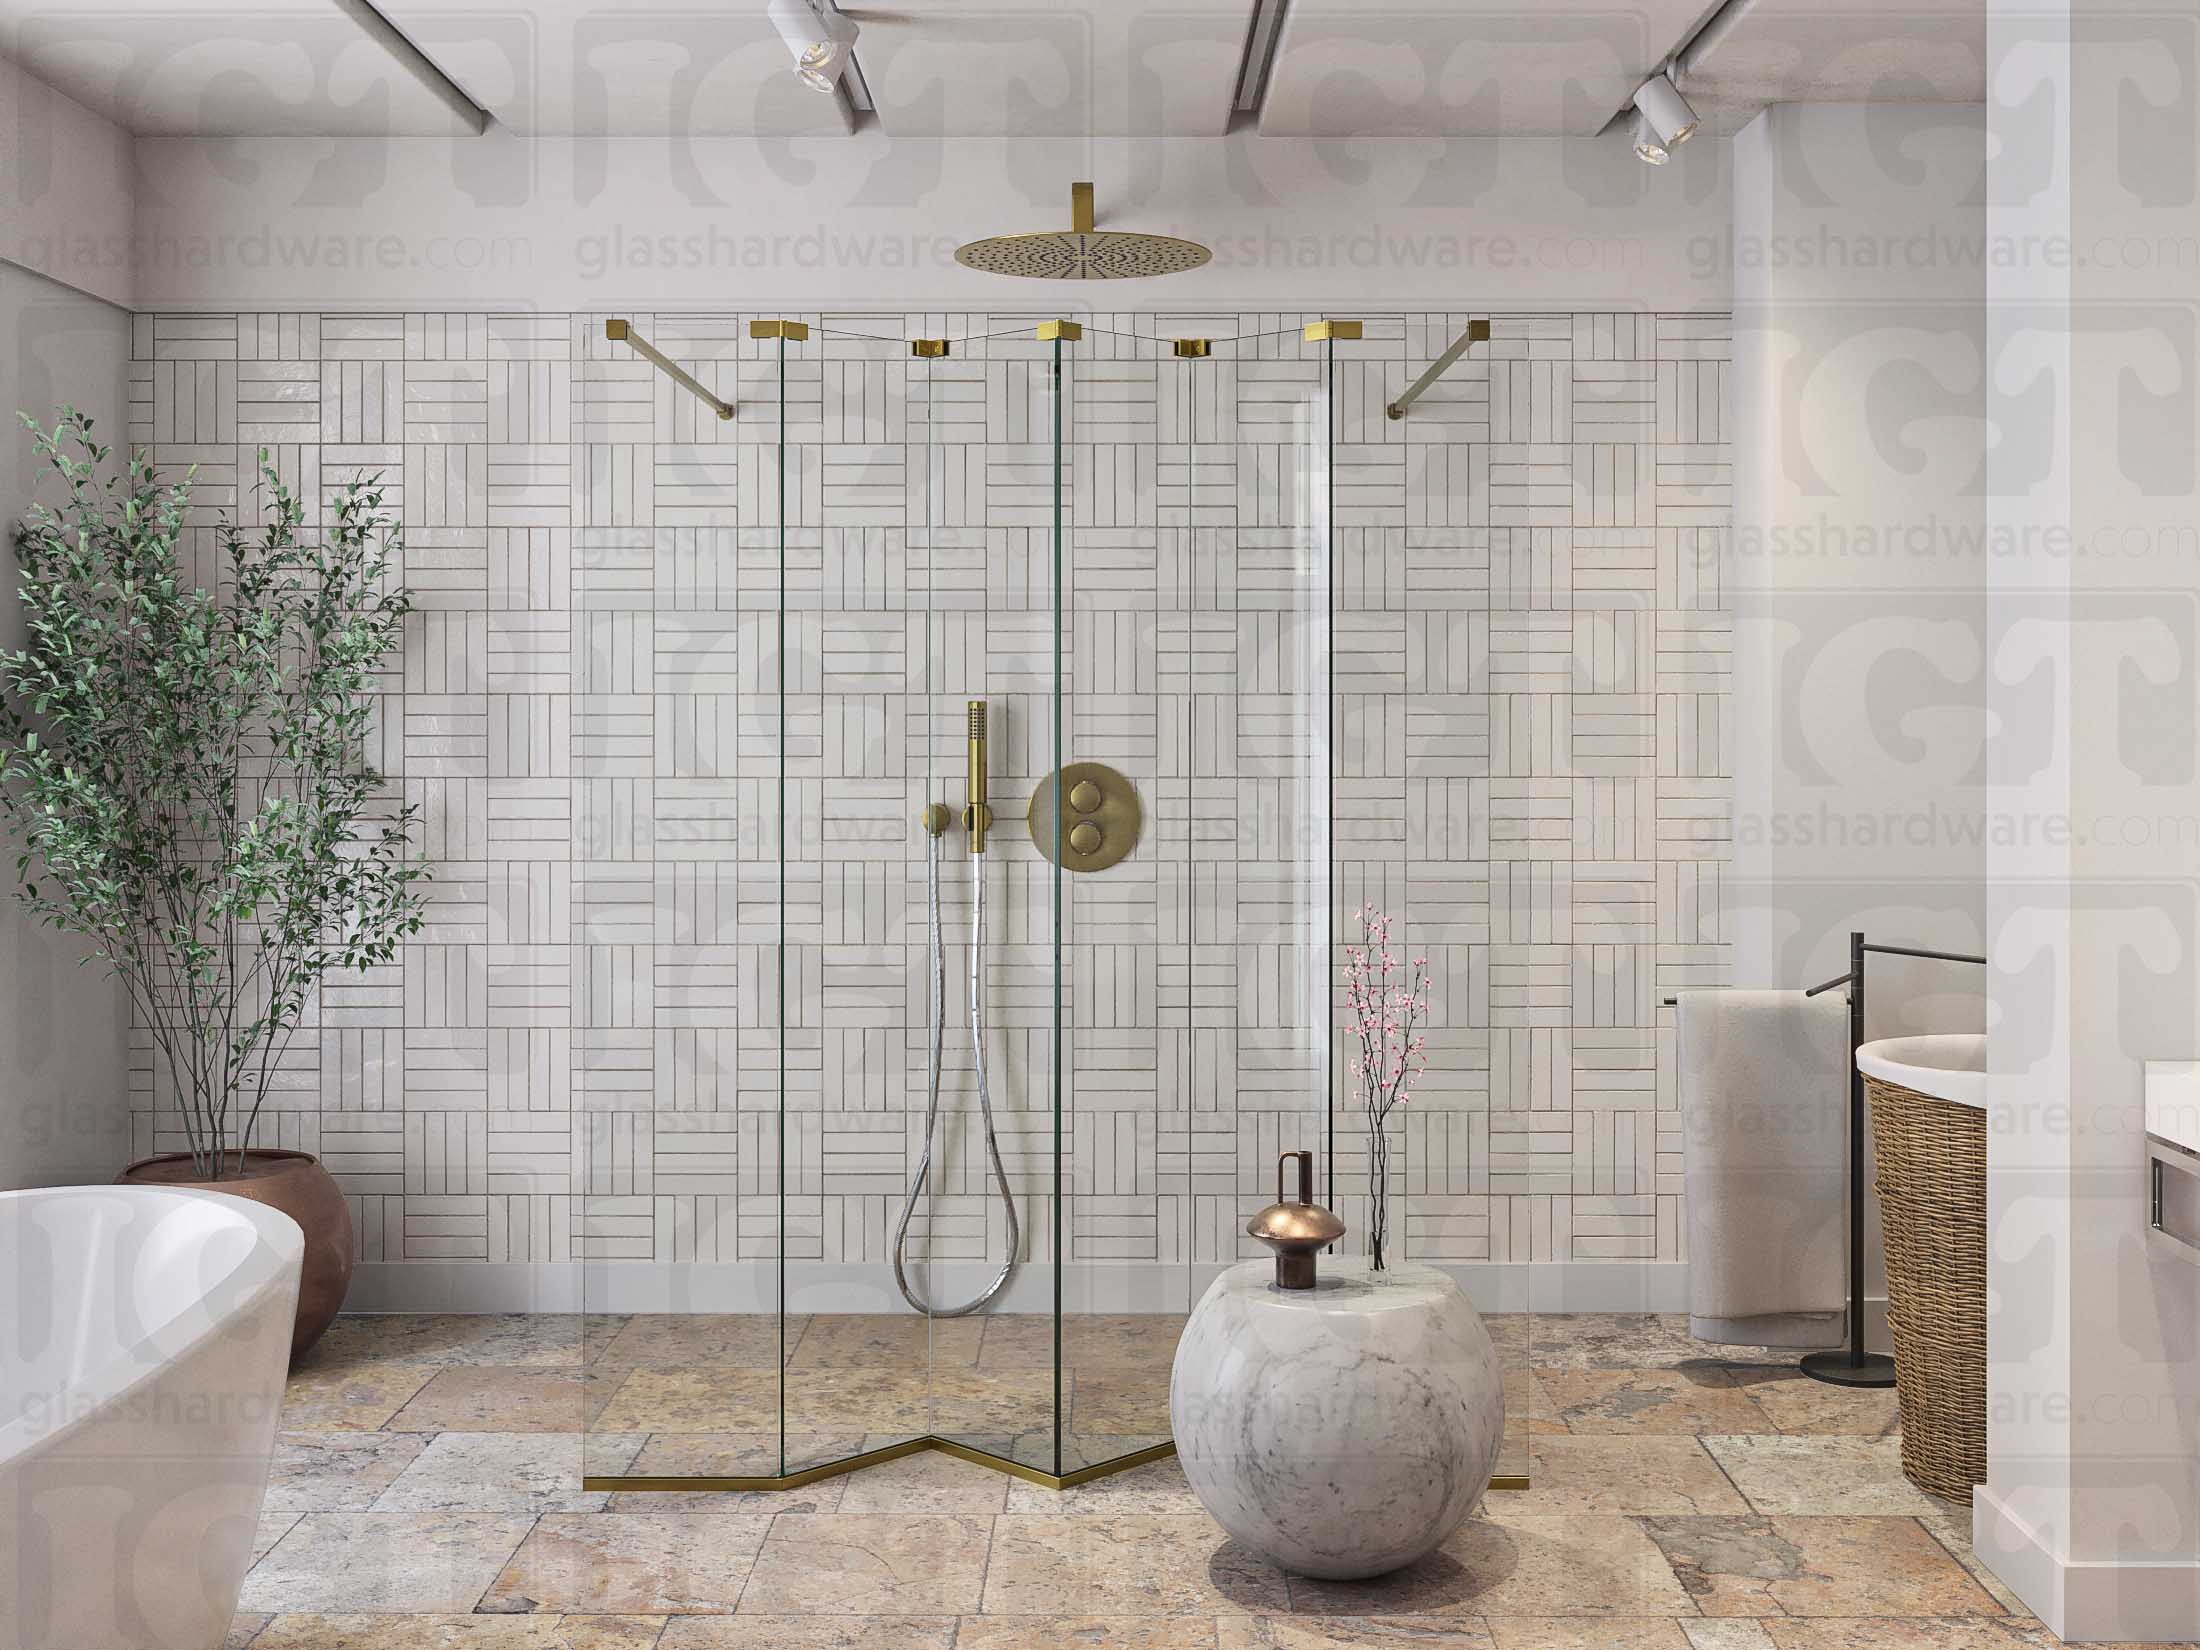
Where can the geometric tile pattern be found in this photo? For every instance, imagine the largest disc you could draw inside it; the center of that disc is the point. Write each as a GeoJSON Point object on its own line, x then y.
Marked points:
{"type": "Point", "coordinates": [1526, 638]}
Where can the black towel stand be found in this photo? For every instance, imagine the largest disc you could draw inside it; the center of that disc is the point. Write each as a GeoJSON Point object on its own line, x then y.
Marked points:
{"type": "Point", "coordinates": [1852, 1365]}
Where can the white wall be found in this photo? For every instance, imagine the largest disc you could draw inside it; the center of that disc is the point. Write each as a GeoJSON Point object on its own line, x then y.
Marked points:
{"type": "Point", "coordinates": [2092, 1509]}
{"type": "Point", "coordinates": [66, 189]}
{"type": "Point", "coordinates": [1859, 583]}
{"type": "Point", "coordinates": [64, 1102]}
{"type": "Point", "coordinates": [66, 205]}
{"type": "Point", "coordinates": [848, 223]}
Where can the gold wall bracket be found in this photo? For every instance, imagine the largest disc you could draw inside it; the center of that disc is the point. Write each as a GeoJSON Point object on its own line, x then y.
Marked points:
{"type": "Point", "coordinates": [1068, 331]}
{"type": "Point", "coordinates": [796, 330]}
{"type": "Point", "coordinates": [1315, 332]}
{"type": "Point", "coordinates": [622, 332]}
{"type": "Point", "coordinates": [931, 349]}
{"type": "Point", "coordinates": [1102, 816]}
{"type": "Point", "coordinates": [1192, 349]}
{"type": "Point", "coordinates": [1478, 332]}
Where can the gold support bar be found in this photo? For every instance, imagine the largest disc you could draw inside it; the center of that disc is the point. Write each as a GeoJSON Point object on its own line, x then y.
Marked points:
{"type": "Point", "coordinates": [1080, 209]}
{"type": "Point", "coordinates": [622, 332]}
{"type": "Point", "coordinates": [929, 348]}
{"type": "Point", "coordinates": [1478, 332]}
{"type": "Point", "coordinates": [795, 330]}
{"type": "Point", "coordinates": [1315, 332]}
{"type": "Point", "coordinates": [1068, 331]}
{"type": "Point", "coordinates": [872, 1458]}
{"type": "Point", "coordinates": [911, 1446]}
{"type": "Point", "coordinates": [1191, 349]}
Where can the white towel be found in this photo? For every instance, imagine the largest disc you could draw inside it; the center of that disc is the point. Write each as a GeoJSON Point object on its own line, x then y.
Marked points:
{"type": "Point", "coordinates": [1765, 1122]}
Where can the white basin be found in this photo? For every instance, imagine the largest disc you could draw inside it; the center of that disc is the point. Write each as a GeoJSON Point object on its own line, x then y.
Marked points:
{"type": "Point", "coordinates": [1949, 1065]}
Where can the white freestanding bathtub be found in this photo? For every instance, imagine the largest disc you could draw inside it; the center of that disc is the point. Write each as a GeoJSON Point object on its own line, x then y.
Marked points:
{"type": "Point", "coordinates": [144, 1337]}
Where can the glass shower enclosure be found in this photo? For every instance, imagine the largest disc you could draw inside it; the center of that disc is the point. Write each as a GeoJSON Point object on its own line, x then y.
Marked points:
{"type": "Point", "coordinates": [957, 898]}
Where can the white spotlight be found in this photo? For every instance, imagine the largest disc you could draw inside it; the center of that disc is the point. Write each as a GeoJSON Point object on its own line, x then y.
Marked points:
{"type": "Point", "coordinates": [1667, 112]}
{"type": "Point", "coordinates": [1647, 147]}
{"type": "Point", "coordinates": [820, 38]}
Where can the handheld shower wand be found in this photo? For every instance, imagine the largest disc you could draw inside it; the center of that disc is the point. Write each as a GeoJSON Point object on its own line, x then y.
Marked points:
{"type": "Point", "coordinates": [976, 818]}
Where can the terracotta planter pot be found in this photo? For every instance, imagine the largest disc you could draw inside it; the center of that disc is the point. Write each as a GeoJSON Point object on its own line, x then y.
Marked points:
{"type": "Point", "coordinates": [295, 1183]}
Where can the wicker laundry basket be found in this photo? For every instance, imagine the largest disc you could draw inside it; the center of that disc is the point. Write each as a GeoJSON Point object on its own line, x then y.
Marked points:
{"type": "Point", "coordinates": [1932, 1213]}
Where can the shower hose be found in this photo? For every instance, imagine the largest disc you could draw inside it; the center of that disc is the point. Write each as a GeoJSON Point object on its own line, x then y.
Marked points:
{"type": "Point", "coordinates": [937, 1025]}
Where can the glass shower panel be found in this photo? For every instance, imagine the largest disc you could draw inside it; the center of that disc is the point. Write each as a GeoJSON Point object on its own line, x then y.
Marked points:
{"type": "Point", "coordinates": [668, 608]}
{"type": "Point", "coordinates": [857, 1358]}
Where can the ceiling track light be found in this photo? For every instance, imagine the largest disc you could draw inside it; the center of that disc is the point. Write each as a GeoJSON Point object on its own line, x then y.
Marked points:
{"type": "Point", "coordinates": [1648, 149]}
{"type": "Point", "coordinates": [1662, 108]}
{"type": "Point", "coordinates": [822, 40]}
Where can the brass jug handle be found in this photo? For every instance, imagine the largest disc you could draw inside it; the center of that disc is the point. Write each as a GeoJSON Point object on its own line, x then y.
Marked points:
{"type": "Point", "coordinates": [1306, 1176]}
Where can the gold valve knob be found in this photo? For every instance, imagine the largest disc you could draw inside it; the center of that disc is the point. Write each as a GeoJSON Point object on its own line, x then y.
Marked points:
{"type": "Point", "coordinates": [1085, 797]}
{"type": "Point", "coordinates": [1085, 837]}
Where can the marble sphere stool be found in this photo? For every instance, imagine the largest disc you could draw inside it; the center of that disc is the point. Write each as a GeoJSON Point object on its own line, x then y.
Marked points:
{"type": "Point", "coordinates": [1340, 1431]}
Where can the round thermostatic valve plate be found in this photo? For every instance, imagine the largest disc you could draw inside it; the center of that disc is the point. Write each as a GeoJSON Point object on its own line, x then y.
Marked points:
{"type": "Point", "coordinates": [1103, 817]}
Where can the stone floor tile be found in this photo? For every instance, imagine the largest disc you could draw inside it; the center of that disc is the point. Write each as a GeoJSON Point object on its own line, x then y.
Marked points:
{"type": "Point", "coordinates": [395, 1562]}
{"type": "Point", "coordinates": [928, 1482]}
{"type": "Point", "coordinates": [1610, 1340]}
{"type": "Point", "coordinates": [1156, 1487]}
{"type": "Point", "coordinates": [1517, 1564]}
{"type": "Point", "coordinates": [1726, 1633]}
{"type": "Point", "coordinates": [1796, 1403]}
{"type": "Point", "coordinates": [516, 1339]}
{"type": "Point", "coordinates": [1120, 1401]}
{"type": "Point", "coordinates": [462, 1632]}
{"type": "Point", "coordinates": [350, 1397]}
{"type": "Point", "coordinates": [738, 1339]}
{"type": "Point", "coordinates": [336, 1471]}
{"type": "Point", "coordinates": [1917, 1633]}
{"type": "Point", "coordinates": [1350, 1633]}
{"type": "Point", "coordinates": [1699, 1398]}
{"type": "Point", "coordinates": [1651, 1474]}
{"type": "Point", "coordinates": [1124, 1564]}
{"type": "Point", "coordinates": [1949, 1523]}
{"type": "Point", "coordinates": [1085, 1633]}
{"type": "Point", "coordinates": [244, 1627]}
{"type": "Point", "coordinates": [1821, 1476]}
{"type": "Point", "coordinates": [1090, 1341]}
{"type": "Point", "coordinates": [1588, 1633]}
{"type": "Point", "coordinates": [477, 1398]}
{"type": "Point", "coordinates": [890, 1341]}
{"type": "Point", "coordinates": [1805, 1566]}
{"type": "Point", "coordinates": [633, 1564]}
{"type": "Point", "coordinates": [271, 1528]}
{"type": "Point", "coordinates": [750, 1632]}
{"type": "Point", "coordinates": [829, 1399]}
{"type": "Point", "coordinates": [869, 1564]}
{"type": "Point", "coordinates": [515, 1472]}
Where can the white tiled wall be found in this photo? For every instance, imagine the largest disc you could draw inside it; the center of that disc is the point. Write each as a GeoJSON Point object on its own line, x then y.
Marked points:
{"type": "Point", "coordinates": [1531, 678]}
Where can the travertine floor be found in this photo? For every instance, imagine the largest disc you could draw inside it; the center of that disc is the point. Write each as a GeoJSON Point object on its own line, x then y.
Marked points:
{"type": "Point", "coordinates": [427, 1497]}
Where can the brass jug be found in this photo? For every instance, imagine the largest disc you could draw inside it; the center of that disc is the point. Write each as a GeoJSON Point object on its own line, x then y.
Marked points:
{"type": "Point", "coordinates": [1295, 1231]}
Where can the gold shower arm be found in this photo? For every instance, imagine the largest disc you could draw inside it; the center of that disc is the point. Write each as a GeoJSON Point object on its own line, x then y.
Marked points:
{"type": "Point", "coordinates": [1478, 332]}
{"type": "Point", "coordinates": [622, 332]}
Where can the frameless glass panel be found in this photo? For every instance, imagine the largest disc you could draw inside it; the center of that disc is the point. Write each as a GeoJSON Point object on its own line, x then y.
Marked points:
{"type": "Point", "coordinates": [674, 1047]}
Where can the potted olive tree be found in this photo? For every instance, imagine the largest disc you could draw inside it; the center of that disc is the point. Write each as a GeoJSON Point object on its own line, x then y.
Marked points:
{"type": "Point", "coordinates": [186, 772]}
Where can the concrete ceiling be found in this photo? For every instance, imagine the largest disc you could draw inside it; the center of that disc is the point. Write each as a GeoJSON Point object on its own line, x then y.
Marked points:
{"type": "Point", "coordinates": [187, 67]}
{"type": "Point", "coordinates": [1841, 51]}
{"type": "Point", "coordinates": [1465, 68]}
{"type": "Point", "coordinates": [991, 68]}
{"type": "Point", "coordinates": [641, 68]}
{"type": "Point", "coordinates": [1053, 68]}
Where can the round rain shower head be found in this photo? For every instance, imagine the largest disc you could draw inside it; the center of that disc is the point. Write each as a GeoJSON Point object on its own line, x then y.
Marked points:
{"type": "Point", "coordinates": [1082, 253]}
